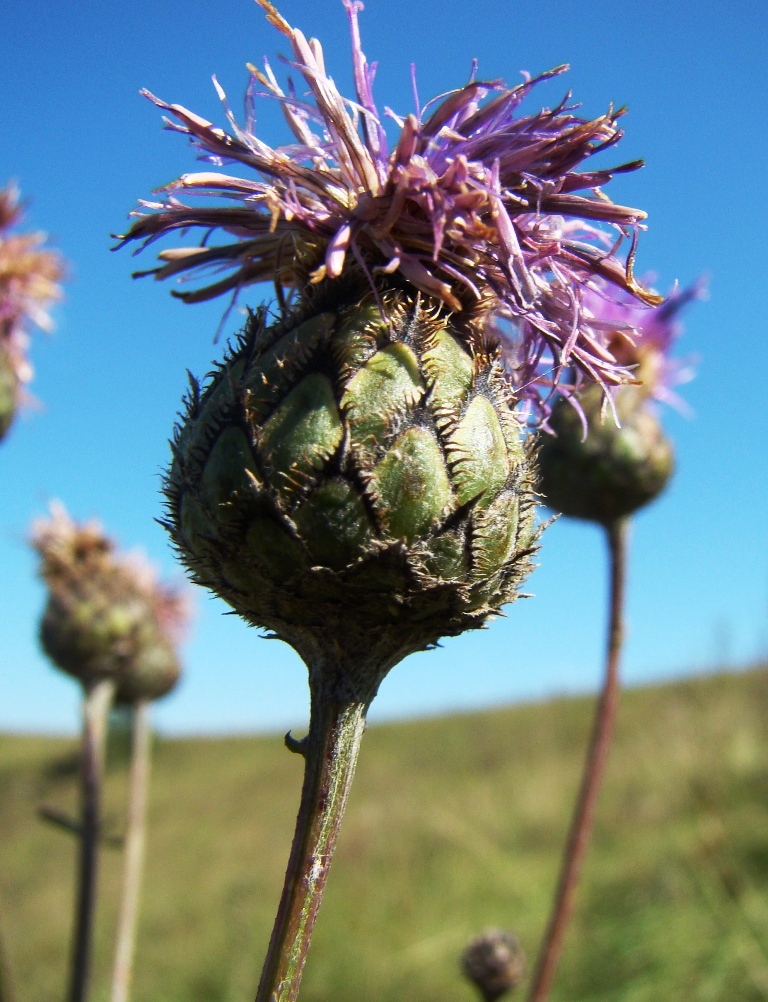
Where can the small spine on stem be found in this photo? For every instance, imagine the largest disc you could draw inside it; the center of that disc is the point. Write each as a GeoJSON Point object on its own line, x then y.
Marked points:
{"type": "Point", "coordinates": [335, 732]}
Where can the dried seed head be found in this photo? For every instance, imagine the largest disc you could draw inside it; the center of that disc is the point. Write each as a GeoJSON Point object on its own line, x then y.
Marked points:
{"type": "Point", "coordinates": [495, 963]}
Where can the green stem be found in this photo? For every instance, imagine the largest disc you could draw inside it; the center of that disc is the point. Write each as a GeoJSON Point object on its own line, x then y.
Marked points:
{"type": "Point", "coordinates": [335, 731]}
{"type": "Point", "coordinates": [135, 838]}
{"type": "Point", "coordinates": [602, 731]}
{"type": "Point", "coordinates": [96, 703]}
{"type": "Point", "coordinates": [7, 993]}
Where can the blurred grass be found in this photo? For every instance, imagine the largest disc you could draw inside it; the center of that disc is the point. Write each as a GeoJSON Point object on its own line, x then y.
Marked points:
{"type": "Point", "coordinates": [454, 824]}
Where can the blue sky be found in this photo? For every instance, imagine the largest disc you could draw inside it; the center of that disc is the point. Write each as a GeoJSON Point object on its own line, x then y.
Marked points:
{"type": "Point", "coordinates": [84, 146]}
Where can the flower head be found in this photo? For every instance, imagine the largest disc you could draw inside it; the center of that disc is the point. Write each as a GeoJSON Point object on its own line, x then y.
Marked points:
{"type": "Point", "coordinates": [604, 466]}
{"type": "Point", "coordinates": [80, 563]}
{"type": "Point", "coordinates": [29, 283]}
{"type": "Point", "coordinates": [475, 204]}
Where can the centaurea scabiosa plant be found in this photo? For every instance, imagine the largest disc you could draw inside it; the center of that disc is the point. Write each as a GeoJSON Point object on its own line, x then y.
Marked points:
{"type": "Point", "coordinates": [107, 620]}
{"type": "Point", "coordinates": [604, 464]}
{"type": "Point", "coordinates": [29, 282]}
{"type": "Point", "coordinates": [354, 477]}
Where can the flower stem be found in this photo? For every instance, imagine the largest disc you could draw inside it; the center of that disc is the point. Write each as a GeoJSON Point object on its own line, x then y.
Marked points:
{"type": "Point", "coordinates": [96, 703]}
{"type": "Point", "coordinates": [135, 838]}
{"type": "Point", "coordinates": [602, 731]}
{"type": "Point", "coordinates": [335, 731]}
{"type": "Point", "coordinates": [7, 993]}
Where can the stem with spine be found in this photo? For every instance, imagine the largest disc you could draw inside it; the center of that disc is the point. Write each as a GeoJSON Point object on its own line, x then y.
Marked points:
{"type": "Point", "coordinates": [330, 752]}
{"type": "Point", "coordinates": [97, 700]}
{"type": "Point", "coordinates": [617, 534]}
{"type": "Point", "coordinates": [135, 838]}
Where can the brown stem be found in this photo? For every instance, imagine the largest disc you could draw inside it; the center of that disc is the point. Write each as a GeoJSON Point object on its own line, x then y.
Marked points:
{"type": "Point", "coordinates": [602, 730]}
{"type": "Point", "coordinates": [135, 838]}
{"type": "Point", "coordinates": [96, 703]}
{"type": "Point", "coordinates": [335, 731]}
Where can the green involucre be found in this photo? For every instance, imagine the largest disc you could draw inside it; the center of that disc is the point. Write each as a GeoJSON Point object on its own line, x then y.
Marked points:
{"type": "Point", "coordinates": [612, 471]}
{"type": "Point", "coordinates": [354, 483]}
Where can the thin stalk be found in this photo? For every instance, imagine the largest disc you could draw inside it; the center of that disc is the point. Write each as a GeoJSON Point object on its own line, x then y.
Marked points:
{"type": "Point", "coordinates": [96, 703]}
{"type": "Point", "coordinates": [330, 752]}
{"type": "Point", "coordinates": [7, 993]}
{"type": "Point", "coordinates": [135, 838]}
{"type": "Point", "coordinates": [602, 731]}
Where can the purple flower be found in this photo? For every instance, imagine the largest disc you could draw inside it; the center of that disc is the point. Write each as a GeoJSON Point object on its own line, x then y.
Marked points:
{"type": "Point", "coordinates": [641, 337]}
{"type": "Point", "coordinates": [29, 277]}
{"type": "Point", "coordinates": [476, 205]}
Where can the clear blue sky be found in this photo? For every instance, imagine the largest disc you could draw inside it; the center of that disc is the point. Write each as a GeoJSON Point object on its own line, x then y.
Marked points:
{"type": "Point", "coordinates": [84, 146]}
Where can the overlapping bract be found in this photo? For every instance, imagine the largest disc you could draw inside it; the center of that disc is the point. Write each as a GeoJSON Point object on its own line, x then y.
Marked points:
{"type": "Point", "coordinates": [475, 204]}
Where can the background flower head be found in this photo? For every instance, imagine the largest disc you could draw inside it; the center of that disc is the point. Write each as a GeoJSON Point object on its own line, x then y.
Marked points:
{"type": "Point", "coordinates": [105, 608]}
{"type": "Point", "coordinates": [29, 283]}
{"type": "Point", "coordinates": [642, 337]}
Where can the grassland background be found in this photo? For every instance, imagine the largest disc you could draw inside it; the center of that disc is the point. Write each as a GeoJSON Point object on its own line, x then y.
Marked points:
{"type": "Point", "coordinates": [454, 824]}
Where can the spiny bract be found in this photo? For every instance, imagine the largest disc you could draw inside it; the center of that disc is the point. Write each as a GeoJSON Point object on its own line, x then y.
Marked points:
{"type": "Point", "coordinates": [359, 487]}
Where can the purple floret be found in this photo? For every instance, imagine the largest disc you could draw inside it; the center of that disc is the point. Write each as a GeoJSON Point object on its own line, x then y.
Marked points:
{"type": "Point", "coordinates": [476, 205]}
{"type": "Point", "coordinates": [641, 337]}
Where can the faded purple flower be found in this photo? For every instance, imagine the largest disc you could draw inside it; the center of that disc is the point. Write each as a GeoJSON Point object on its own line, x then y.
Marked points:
{"type": "Point", "coordinates": [29, 283]}
{"type": "Point", "coordinates": [79, 559]}
{"type": "Point", "coordinates": [641, 337]}
{"type": "Point", "coordinates": [475, 205]}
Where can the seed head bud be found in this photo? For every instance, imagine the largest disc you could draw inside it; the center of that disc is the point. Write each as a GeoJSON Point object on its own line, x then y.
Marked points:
{"type": "Point", "coordinates": [613, 470]}
{"type": "Point", "coordinates": [106, 616]}
{"type": "Point", "coordinates": [495, 963]}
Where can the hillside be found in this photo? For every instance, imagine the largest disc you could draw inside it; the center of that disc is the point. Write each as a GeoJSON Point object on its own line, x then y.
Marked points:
{"type": "Point", "coordinates": [454, 824]}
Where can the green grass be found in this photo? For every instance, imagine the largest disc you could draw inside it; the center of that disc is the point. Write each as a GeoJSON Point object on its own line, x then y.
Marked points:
{"type": "Point", "coordinates": [454, 824]}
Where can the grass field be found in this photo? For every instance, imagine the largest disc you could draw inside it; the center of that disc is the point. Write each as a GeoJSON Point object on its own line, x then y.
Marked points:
{"type": "Point", "coordinates": [454, 824]}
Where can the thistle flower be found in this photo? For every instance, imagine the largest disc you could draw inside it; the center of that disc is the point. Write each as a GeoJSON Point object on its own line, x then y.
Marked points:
{"type": "Point", "coordinates": [110, 624]}
{"type": "Point", "coordinates": [600, 465]}
{"type": "Point", "coordinates": [29, 277]}
{"type": "Point", "coordinates": [476, 206]}
{"type": "Point", "coordinates": [354, 477]}
{"type": "Point", "coordinates": [317, 426]}
{"type": "Point", "coordinates": [107, 616]}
